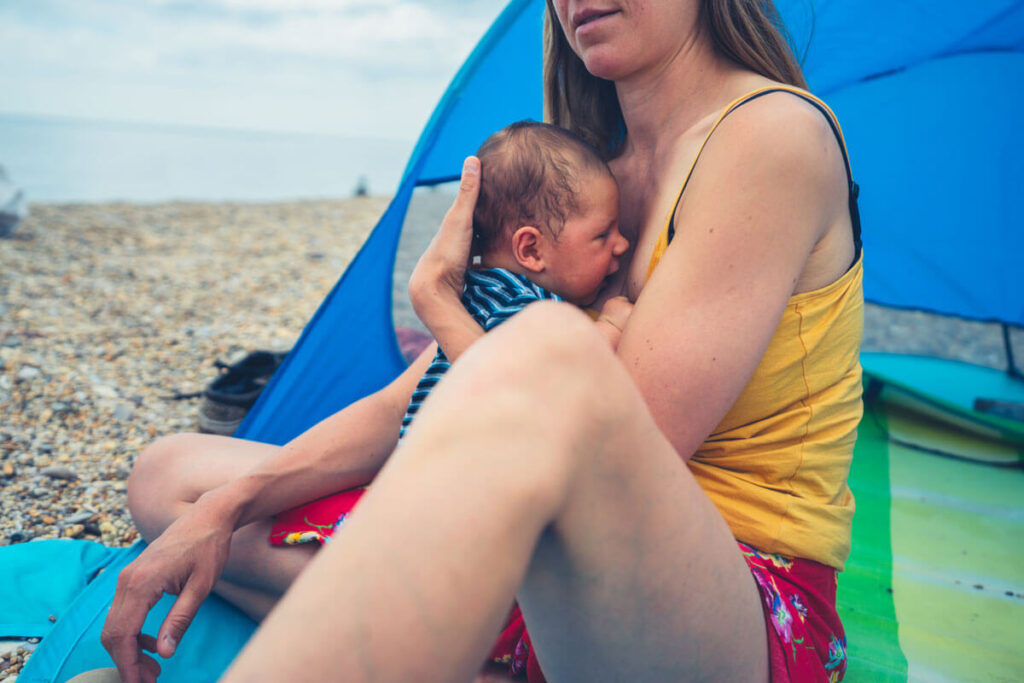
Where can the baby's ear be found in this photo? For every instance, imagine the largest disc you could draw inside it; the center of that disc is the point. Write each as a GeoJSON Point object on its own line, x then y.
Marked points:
{"type": "Point", "coordinates": [527, 248]}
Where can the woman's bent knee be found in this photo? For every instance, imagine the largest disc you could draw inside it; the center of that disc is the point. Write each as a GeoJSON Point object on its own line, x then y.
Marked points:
{"type": "Point", "coordinates": [560, 335]}
{"type": "Point", "coordinates": [151, 490]}
{"type": "Point", "coordinates": [153, 465]}
{"type": "Point", "coordinates": [176, 470]}
{"type": "Point", "coordinates": [552, 353]}
{"type": "Point", "coordinates": [149, 465]}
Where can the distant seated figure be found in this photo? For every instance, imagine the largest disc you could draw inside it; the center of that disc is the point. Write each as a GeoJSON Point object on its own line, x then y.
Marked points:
{"type": "Point", "coordinates": [362, 188]}
{"type": "Point", "coordinates": [12, 205]}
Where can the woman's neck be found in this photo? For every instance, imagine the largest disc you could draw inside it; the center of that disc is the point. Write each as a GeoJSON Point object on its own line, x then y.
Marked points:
{"type": "Point", "coordinates": [662, 103]}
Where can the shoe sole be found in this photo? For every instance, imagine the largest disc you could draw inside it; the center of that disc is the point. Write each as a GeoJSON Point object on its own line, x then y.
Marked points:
{"type": "Point", "coordinates": [223, 427]}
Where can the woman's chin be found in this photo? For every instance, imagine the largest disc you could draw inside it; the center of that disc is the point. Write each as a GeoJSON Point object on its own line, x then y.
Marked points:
{"type": "Point", "coordinates": [603, 62]}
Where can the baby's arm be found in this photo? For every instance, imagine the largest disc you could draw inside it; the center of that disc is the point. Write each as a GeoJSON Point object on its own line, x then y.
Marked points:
{"type": "Point", "coordinates": [613, 317]}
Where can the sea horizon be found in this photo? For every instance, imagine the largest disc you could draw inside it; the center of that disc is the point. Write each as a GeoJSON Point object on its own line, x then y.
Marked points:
{"type": "Point", "coordinates": [58, 159]}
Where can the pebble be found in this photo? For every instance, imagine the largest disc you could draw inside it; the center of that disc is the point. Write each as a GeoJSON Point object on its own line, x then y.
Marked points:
{"type": "Point", "coordinates": [28, 372]}
{"type": "Point", "coordinates": [103, 391]}
{"type": "Point", "coordinates": [59, 472]}
{"type": "Point", "coordinates": [123, 412]}
{"type": "Point", "coordinates": [80, 518]}
{"type": "Point", "coordinates": [92, 336]}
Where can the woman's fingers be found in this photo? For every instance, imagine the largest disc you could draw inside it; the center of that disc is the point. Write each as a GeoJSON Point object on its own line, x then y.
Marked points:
{"type": "Point", "coordinates": [469, 189]}
{"type": "Point", "coordinates": [180, 616]}
{"type": "Point", "coordinates": [134, 596]}
{"type": "Point", "coordinates": [455, 237]}
{"type": "Point", "coordinates": [616, 311]}
{"type": "Point", "coordinates": [150, 668]}
{"type": "Point", "coordinates": [147, 642]}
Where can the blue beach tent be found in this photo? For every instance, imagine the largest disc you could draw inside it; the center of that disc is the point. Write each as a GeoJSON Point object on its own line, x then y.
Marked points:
{"type": "Point", "coordinates": [929, 95]}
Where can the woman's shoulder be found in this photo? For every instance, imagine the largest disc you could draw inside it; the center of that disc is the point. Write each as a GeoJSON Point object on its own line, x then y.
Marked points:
{"type": "Point", "coordinates": [785, 132]}
{"type": "Point", "coordinates": [780, 114]}
{"type": "Point", "coordinates": [781, 146]}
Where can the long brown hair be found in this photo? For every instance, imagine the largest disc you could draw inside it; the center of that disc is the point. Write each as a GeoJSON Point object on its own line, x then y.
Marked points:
{"type": "Point", "coordinates": [749, 32]}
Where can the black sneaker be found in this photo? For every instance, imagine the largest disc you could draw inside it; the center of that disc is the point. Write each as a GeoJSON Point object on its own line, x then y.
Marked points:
{"type": "Point", "coordinates": [228, 398]}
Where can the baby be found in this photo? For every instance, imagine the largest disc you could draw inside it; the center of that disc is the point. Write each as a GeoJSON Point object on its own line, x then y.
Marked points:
{"type": "Point", "coordinates": [546, 227]}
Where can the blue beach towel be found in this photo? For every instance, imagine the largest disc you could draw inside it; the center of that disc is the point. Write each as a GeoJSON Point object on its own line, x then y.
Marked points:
{"type": "Point", "coordinates": [73, 581]}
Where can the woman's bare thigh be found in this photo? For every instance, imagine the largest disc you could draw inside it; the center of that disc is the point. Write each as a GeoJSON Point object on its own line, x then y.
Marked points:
{"type": "Point", "coordinates": [639, 578]}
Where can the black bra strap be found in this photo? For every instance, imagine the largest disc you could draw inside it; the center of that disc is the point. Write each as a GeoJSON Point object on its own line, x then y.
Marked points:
{"type": "Point", "coordinates": [854, 189]}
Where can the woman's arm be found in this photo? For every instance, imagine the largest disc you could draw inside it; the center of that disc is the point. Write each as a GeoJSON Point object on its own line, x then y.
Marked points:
{"type": "Point", "coordinates": [340, 452]}
{"type": "Point", "coordinates": [770, 184]}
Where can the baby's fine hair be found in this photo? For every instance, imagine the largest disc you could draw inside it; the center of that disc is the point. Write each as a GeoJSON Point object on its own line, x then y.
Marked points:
{"type": "Point", "coordinates": [530, 175]}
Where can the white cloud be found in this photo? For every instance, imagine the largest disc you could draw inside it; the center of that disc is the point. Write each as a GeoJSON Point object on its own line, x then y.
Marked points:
{"type": "Point", "coordinates": [326, 65]}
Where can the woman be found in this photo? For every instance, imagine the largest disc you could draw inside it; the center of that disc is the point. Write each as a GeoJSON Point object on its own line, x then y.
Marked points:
{"type": "Point", "coordinates": [544, 468]}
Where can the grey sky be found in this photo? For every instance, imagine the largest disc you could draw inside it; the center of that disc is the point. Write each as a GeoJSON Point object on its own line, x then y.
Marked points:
{"type": "Point", "coordinates": [352, 67]}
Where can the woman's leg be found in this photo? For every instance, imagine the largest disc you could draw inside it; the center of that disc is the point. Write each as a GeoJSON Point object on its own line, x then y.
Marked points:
{"type": "Point", "coordinates": [173, 472]}
{"type": "Point", "coordinates": [535, 466]}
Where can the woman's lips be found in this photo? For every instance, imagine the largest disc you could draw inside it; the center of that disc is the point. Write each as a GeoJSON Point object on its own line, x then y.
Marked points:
{"type": "Point", "coordinates": [585, 18]}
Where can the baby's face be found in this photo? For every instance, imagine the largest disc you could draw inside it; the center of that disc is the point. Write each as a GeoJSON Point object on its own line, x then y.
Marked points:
{"type": "Point", "coordinates": [588, 249]}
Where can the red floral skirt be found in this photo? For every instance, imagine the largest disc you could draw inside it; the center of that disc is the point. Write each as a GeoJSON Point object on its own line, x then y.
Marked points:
{"type": "Point", "coordinates": [316, 521]}
{"type": "Point", "coordinates": [806, 641]}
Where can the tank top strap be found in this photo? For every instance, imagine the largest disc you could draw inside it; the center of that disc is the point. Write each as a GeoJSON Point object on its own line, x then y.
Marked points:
{"type": "Point", "coordinates": [668, 232]}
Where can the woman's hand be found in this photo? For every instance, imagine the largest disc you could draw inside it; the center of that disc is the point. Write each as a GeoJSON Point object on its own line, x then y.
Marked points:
{"type": "Point", "coordinates": [186, 560]}
{"type": "Point", "coordinates": [441, 269]}
{"type": "Point", "coordinates": [435, 287]}
{"type": "Point", "coordinates": [613, 317]}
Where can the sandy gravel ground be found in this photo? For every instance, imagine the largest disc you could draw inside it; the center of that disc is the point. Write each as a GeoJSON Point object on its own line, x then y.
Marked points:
{"type": "Point", "coordinates": [108, 309]}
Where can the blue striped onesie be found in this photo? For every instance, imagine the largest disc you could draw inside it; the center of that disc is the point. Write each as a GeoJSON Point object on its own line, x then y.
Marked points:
{"type": "Point", "coordinates": [491, 296]}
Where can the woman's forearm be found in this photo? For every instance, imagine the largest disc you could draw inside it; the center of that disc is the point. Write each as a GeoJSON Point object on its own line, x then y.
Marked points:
{"type": "Point", "coordinates": [343, 451]}
{"type": "Point", "coordinates": [448, 321]}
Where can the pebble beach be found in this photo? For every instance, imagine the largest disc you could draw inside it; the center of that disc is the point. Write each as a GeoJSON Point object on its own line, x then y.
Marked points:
{"type": "Point", "coordinates": [107, 311]}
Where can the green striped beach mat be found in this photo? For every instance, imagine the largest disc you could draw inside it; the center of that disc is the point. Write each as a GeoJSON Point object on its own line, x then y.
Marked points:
{"type": "Point", "coordinates": [934, 587]}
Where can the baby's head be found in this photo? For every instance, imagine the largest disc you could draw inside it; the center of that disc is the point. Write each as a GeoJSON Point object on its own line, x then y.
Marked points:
{"type": "Point", "coordinates": [548, 209]}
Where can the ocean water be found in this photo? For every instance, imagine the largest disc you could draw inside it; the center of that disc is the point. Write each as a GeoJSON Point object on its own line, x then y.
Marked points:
{"type": "Point", "coordinates": [71, 160]}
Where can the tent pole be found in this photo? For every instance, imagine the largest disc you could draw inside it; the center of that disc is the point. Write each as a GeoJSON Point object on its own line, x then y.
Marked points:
{"type": "Point", "coordinates": [1011, 365]}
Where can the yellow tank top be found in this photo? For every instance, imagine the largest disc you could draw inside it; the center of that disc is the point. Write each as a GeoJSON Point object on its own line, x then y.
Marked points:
{"type": "Point", "coordinates": [777, 464]}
